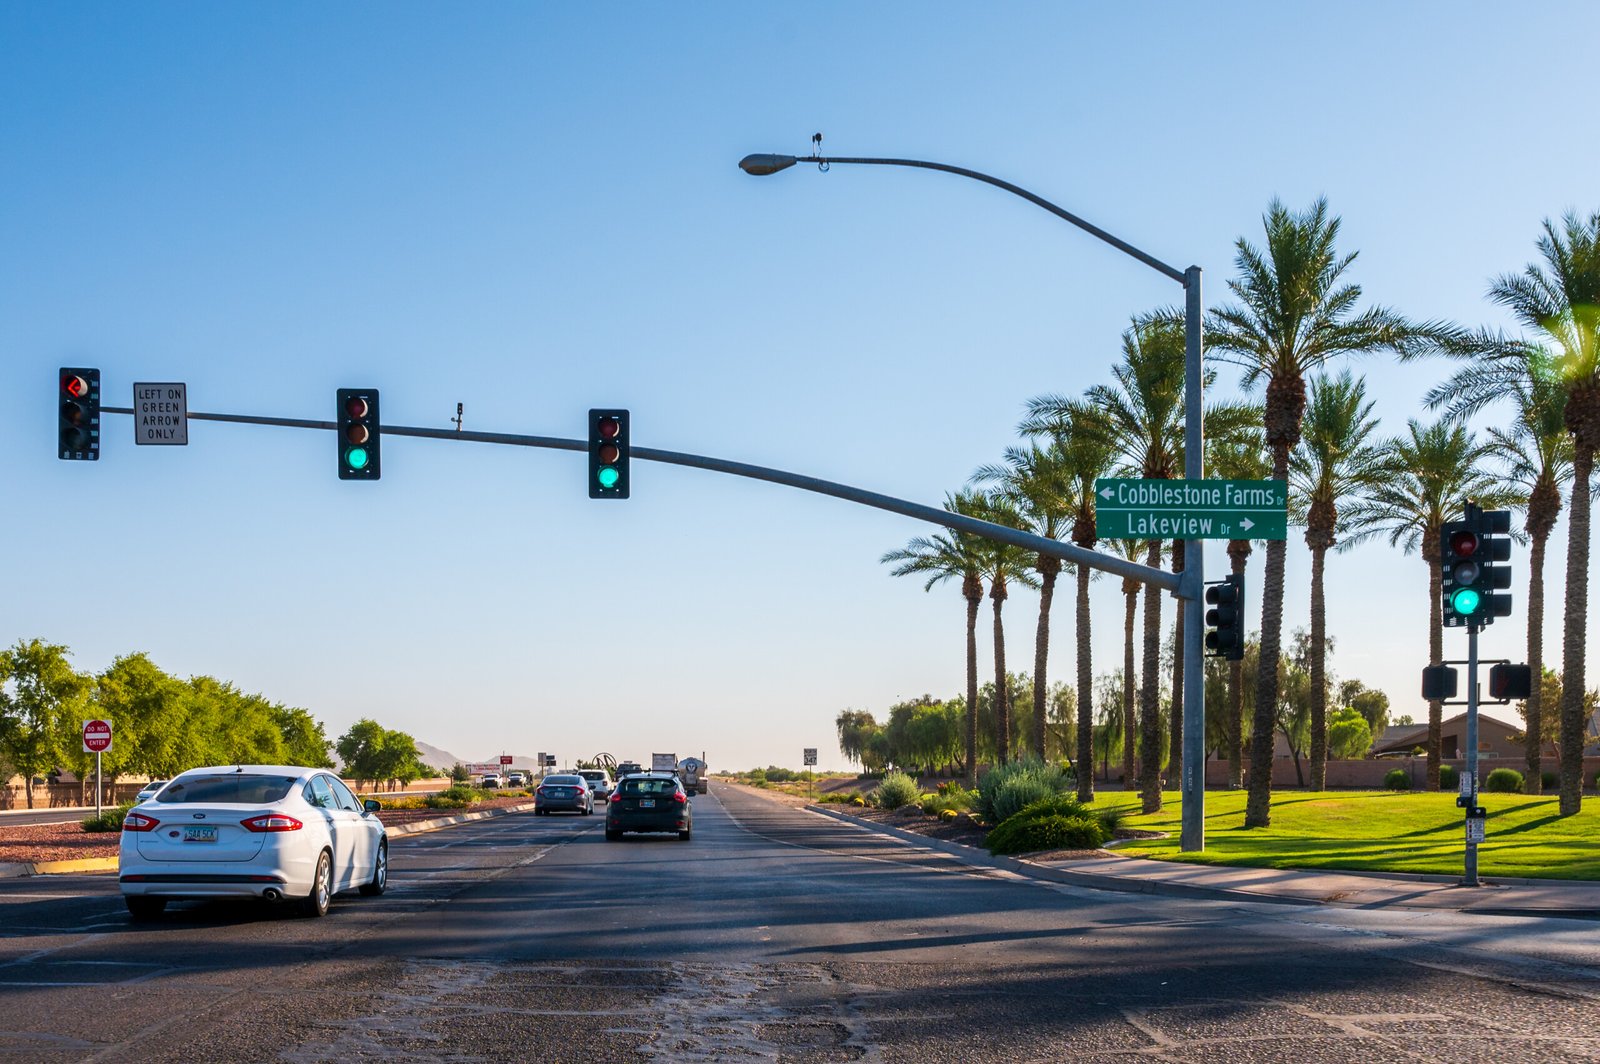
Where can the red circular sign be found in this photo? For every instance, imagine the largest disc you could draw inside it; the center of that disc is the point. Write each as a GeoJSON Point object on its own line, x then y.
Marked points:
{"type": "Point", "coordinates": [96, 736]}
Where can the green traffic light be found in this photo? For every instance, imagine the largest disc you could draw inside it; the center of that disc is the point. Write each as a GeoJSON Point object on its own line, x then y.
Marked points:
{"type": "Point", "coordinates": [1466, 601]}
{"type": "Point", "coordinates": [356, 458]}
{"type": "Point", "coordinates": [609, 476]}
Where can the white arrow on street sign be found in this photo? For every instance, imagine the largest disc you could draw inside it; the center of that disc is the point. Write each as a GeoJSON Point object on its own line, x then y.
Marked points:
{"type": "Point", "coordinates": [1246, 524]}
{"type": "Point", "coordinates": [1107, 493]}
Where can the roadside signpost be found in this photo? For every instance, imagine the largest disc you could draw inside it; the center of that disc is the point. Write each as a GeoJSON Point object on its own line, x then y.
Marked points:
{"type": "Point", "coordinates": [1191, 509]}
{"type": "Point", "coordinates": [811, 760]}
{"type": "Point", "coordinates": [161, 414]}
{"type": "Point", "coordinates": [505, 759]}
{"type": "Point", "coordinates": [96, 741]}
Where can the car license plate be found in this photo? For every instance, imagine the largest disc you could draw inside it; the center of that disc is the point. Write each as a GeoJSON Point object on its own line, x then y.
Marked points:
{"type": "Point", "coordinates": [200, 834]}
{"type": "Point", "coordinates": [647, 803]}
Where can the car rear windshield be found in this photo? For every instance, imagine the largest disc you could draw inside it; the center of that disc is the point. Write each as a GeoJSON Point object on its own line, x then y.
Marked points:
{"type": "Point", "coordinates": [593, 775]}
{"type": "Point", "coordinates": [239, 787]}
{"type": "Point", "coordinates": [564, 781]}
{"type": "Point", "coordinates": [648, 786]}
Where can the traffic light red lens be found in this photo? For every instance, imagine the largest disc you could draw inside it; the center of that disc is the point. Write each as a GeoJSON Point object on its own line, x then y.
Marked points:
{"type": "Point", "coordinates": [75, 386]}
{"type": "Point", "coordinates": [609, 427]}
{"type": "Point", "coordinates": [1463, 544]}
{"type": "Point", "coordinates": [356, 407]}
{"type": "Point", "coordinates": [357, 434]}
{"type": "Point", "coordinates": [609, 453]}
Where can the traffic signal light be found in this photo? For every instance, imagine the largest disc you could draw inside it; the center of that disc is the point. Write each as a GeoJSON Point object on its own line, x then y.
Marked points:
{"type": "Point", "coordinates": [1471, 551]}
{"type": "Point", "coordinates": [608, 454]}
{"type": "Point", "coordinates": [1510, 682]}
{"type": "Point", "coordinates": [1225, 618]}
{"type": "Point", "coordinates": [78, 437]}
{"type": "Point", "coordinates": [359, 434]}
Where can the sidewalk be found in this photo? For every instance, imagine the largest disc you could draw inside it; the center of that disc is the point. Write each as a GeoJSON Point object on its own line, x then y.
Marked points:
{"type": "Point", "coordinates": [1498, 896]}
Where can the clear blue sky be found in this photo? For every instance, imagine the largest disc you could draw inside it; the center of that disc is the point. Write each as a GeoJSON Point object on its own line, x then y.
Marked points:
{"type": "Point", "coordinates": [535, 209]}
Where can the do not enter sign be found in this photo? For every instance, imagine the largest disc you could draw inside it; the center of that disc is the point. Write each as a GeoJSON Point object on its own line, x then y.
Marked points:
{"type": "Point", "coordinates": [96, 736]}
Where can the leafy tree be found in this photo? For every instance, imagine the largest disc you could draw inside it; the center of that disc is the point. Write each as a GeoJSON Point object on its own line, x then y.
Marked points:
{"type": "Point", "coordinates": [361, 748]}
{"type": "Point", "coordinates": [398, 760]}
{"type": "Point", "coordinates": [1335, 465]}
{"type": "Point", "coordinates": [1241, 457]}
{"type": "Point", "coordinates": [459, 773]}
{"type": "Point", "coordinates": [304, 741]}
{"type": "Point", "coordinates": [857, 728]}
{"type": "Point", "coordinates": [39, 693]}
{"type": "Point", "coordinates": [1003, 564]}
{"type": "Point", "coordinates": [1295, 313]}
{"type": "Point", "coordinates": [1349, 734]}
{"type": "Point", "coordinates": [1372, 705]}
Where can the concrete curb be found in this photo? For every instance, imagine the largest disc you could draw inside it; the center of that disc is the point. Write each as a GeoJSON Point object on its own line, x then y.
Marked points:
{"type": "Point", "coordinates": [974, 856]}
{"type": "Point", "coordinates": [9, 869]}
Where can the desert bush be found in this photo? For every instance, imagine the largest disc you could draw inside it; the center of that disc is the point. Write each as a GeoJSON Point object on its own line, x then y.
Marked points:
{"type": "Point", "coordinates": [896, 790]}
{"type": "Point", "coordinates": [1007, 789]}
{"type": "Point", "coordinates": [1449, 777]}
{"type": "Point", "coordinates": [951, 798]}
{"type": "Point", "coordinates": [1550, 781]}
{"type": "Point", "coordinates": [1503, 781]}
{"type": "Point", "coordinates": [948, 814]}
{"type": "Point", "coordinates": [1047, 831]}
{"type": "Point", "coordinates": [1111, 818]}
{"type": "Point", "coordinates": [453, 798]}
{"type": "Point", "coordinates": [109, 819]}
{"type": "Point", "coordinates": [858, 800]}
{"type": "Point", "coordinates": [1397, 779]}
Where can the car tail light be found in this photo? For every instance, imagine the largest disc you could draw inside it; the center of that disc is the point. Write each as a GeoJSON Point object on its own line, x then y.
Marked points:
{"type": "Point", "coordinates": [539, 791]}
{"type": "Point", "coordinates": [272, 822]}
{"type": "Point", "coordinates": [680, 798]}
{"type": "Point", "coordinates": [139, 822]}
{"type": "Point", "coordinates": [616, 796]}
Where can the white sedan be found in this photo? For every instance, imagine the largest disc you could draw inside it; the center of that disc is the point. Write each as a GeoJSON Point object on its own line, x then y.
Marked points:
{"type": "Point", "coordinates": [274, 832]}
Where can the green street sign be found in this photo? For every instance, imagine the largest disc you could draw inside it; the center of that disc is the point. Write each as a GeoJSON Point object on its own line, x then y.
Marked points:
{"type": "Point", "coordinates": [1191, 509]}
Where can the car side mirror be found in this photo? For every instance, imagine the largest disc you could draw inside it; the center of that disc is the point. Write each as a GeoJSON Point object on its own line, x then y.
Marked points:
{"type": "Point", "coordinates": [372, 805]}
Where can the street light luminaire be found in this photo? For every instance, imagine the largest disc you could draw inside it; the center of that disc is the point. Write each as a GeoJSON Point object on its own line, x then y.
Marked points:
{"type": "Point", "coordinates": [761, 164]}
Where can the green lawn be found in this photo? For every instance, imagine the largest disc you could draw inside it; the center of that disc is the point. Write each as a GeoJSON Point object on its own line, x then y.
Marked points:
{"type": "Point", "coordinates": [1379, 831]}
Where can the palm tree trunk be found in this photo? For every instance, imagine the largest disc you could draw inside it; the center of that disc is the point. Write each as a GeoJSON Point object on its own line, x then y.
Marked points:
{"type": "Point", "coordinates": [1435, 654]}
{"type": "Point", "coordinates": [1002, 704]}
{"type": "Point", "coordinates": [1572, 671]}
{"type": "Point", "coordinates": [1175, 718]}
{"type": "Point", "coordinates": [973, 589]}
{"type": "Point", "coordinates": [1048, 568]}
{"type": "Point", "coordinates": [1150, 694]}
{"type": "Point", "coordinates": [1533, 780]}
{"type": "Point", "coordinates": [1258, 807]}
{"type": "Point", "coordinates": [1129, 724]}
{"type": "Point", "coordinates": [1239, 554]}
{"type": "Point", "coordinates": [1319, 688]}
{"type": "Point", "coordinates": [1085, 693]}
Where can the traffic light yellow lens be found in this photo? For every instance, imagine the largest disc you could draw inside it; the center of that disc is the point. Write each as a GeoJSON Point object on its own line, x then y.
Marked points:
{"type": "Point", "coordinates": [609, 477]}
{"type": "Point", "coordinates": [356, 458]}
{"type": "Point", "coordinates": [1466, 601]}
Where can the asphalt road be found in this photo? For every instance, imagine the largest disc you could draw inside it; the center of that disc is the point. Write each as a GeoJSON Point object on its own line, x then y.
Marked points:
{"type": "Point", "coordinates": [773, 935]}
{"type": "Point", "coordinates": [10, 819]}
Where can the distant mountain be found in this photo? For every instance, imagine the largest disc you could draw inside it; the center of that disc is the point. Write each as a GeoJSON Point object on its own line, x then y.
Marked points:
{"type": "Point", "coordinates": [434, 757]}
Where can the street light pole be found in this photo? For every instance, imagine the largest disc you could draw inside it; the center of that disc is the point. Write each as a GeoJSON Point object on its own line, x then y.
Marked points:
{"type": "Point", "coordinates": [1192, 584]}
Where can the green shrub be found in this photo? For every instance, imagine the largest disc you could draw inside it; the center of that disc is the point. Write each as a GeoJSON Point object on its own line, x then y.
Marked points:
{"type": "Point", "coordinates": [1550, 781]}
{"type": "Point", "coordinates": [453, 798]}
{"type": "Point", "coordinates": [109, 819]}
{"type": "Point", "coordinates": [1503, 781]}
{"type": "Point", "coordinates": [1397, 779]}
{"type": "Point", "coordinates": [951, 798]}
{"type": "Point", "coordinates": [1051, 831]}
{"type": "Point", "coordinates": [1043, 780]}
{"type": "Point", "coordinates": [1596, 781]}
{"type": "Point", "coordinates": [1111, 818]}
{"type": "Point", "coordinates": [756, 776]}
{"type": "Point", "coordinates": [1449, 777]}
{"type": "Point", "coordinates": [897, 789]}
{"type": "Point", "coordinates": [837, 798]}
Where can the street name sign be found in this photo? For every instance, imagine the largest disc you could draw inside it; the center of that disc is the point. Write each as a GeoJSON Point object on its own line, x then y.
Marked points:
{"type": "Point", "coordinates": [161, 414]}
{"type": "Point", "coordinates": [1191, 509]}
{"type": "Point", "coordinates": [811, 755]}
{"type": "Point", "coordinates": [96, 736]}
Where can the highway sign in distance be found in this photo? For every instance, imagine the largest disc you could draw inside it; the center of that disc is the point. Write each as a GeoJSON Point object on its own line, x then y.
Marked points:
{"type": "Point", "coordinates": [161, 414]}
{"type": "Point", "coordinates": [1191, 509]}
{"type": "Point", "coordinates": [505, 759]}
{"type": "Point", "coordinates": [96, 736]}
{"type": "Point", "coordinates": [811, 755]}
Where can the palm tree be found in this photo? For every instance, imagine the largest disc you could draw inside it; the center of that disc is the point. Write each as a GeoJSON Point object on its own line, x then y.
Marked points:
{"type": "Point", "coordinates": [1002, 564]}
{"type": "Point", "coordinates": [1537, 454]}
{"type": "Point", "coordinates": [1427, 474]}
{"type": "Point", "coordinates": [1559, 302]}
{"type": "Point", "coordinates": [1335, 461]}
{"type": "Point", "coordinates": [1133, 550]}
{"type": "Point", "coordinates": [1240, 458]}
{"type": "Point", "coordinates": [1088, 451]}
{"type": "Point", "coordinates": [945, 556]}
{"type": "Point", "coordinates": [1297, 314]}
{"type": "Point", "coordinates": [1037, 483]}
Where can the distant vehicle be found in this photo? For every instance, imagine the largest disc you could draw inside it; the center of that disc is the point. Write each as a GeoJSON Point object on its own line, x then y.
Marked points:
{"type": "Point", "coordinates": [491, 781]}
{"type": "Point", "coordinates": [692, 771]}
{"type": "Point", "coordinates": [649, 801]}
{"type": "Point", "coordinates": [516, 779]}
{"type": "Point", "coordinates": [274, 832]}
{"type": "Point", "coordinates": [599, 782]}
{"type": "Point", "coordinates": [149, 791]}
{"type": "Point", "coordinates": [627, 768]}
{"type": "Point", "coordinates": [569, 792]}
{"type": "Point", "coordinates": [663, 762]}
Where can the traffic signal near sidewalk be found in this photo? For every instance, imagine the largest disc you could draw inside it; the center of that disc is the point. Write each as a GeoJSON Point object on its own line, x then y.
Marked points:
{"type": "Point", "coordinates": [609, 444]}
{"type": "Point", "coordinates": [1472, 553]}
{"type": "Point", "coordinates": [1225, 618]}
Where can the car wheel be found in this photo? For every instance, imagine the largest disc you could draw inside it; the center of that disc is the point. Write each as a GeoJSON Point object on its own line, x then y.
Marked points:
{"type": "Point", "coordinates": [611, 836]}
{"type": "Point", "coordinates": [380, 873]}
{"type": "Point", "coordinates": [684, 834]}
{"type": "Point", "coordinates": [141, 908]}
{"type": "Point", "coordinates": [316, 903]}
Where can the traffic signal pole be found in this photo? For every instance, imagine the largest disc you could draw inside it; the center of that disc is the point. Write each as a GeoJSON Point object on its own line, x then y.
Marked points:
{"type": "Point", "coordinates": [1469, 876]}
{"type": "Point", "coordinates": [934, 515]}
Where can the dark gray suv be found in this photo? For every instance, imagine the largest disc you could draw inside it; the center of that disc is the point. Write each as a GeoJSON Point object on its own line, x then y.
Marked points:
{"type": "Point", "coordinates": [648, 801]}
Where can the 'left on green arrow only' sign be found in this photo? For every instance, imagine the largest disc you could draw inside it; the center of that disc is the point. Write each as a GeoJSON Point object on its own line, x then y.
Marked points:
{"type": "Point", "coordinates": [1191, 509]}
